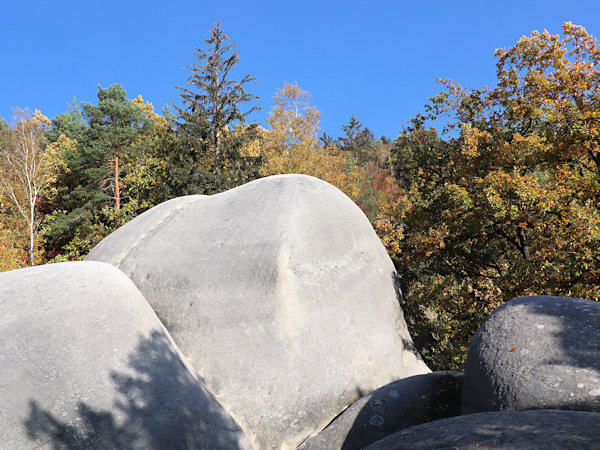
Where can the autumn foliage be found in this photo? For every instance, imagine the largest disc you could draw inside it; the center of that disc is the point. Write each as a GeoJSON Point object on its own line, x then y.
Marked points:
{"type": "Point", "coordinates": [503, 200]}
{"type": "Point", "coordinates": [505, 203]}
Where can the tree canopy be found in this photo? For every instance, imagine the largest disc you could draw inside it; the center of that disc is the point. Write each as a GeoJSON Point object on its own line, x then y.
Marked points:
{"type": "Point", "coordinates": [501, 200]}
{"type": "Point", "coordinates": [507, 204]}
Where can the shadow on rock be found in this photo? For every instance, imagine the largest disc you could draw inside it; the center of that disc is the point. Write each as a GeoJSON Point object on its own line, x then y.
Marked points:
{"type": "Point", "coordinates": [160, 404]}
{"type": "Point", "coordinates": [540, 429]}
{"type": "Point", "coordinates": [404, 403]}
{"type": "Point", "coordinates": [537, 352]}
{"type": "Point", "coordinates": [396, 406]}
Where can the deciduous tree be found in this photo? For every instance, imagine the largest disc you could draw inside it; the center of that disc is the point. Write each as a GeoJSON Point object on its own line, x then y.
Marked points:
{"type": "Point", "coordinates": [506, 203]}
{"type": "Point", "coordinates": [291, 144]}
{"type": "Point", "coordinates": [23, 169]}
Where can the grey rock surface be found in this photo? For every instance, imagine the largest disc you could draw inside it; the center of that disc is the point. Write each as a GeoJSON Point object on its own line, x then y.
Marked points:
{"type": "Point", "coordinates": [541, 429]}
{"type": "Point", "coordinates": [85, 363]}
{"type": "Point", "coordinates": [535, 352]}
{"type": "Point", "coordinates": [391, 408]}
{"type": "Point", "coordinates": [280, 294]}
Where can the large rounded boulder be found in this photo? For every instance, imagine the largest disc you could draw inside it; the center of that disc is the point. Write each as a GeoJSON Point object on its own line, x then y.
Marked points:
{"type": "Point", "coordinates": [541, 429]}
{"type": "Point", "coordinates": [85, 363]}
{"type": "Point", "coordinates": [537, 352]}
{"type": "Point", "coordinates": [280, 294]}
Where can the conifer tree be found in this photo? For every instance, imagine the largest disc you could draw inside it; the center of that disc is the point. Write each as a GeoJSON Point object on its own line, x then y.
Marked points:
{"type": "Point", "coordinates": [358, 142]}
{"type": "Point", "coordinates": [92, 144]}
{"type": "Point", "coordinates": [211, 159]}
{"type": "Point", "coordinates": [113, 127]}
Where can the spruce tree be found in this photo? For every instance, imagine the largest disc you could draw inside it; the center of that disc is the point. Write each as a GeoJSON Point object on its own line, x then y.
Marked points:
{"type": "Point", "coordinates": [358, 142]}
{"type": "Point", "coordinates": [212, 125]}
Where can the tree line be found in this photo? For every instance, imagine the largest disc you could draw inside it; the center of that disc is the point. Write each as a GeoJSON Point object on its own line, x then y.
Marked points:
{"type": "Point", "coordinates": [502, 201]}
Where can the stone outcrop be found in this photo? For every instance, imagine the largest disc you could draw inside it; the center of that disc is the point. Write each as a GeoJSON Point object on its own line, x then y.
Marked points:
{"type": "Point", "coordinates": [541, 429]}
{"type": "Point", "coordinates": [280, 294]}
{"type": "Point", "coordinates": [85, 363]}
{"type": "Point", "coordinates": [535, 353]}
{"type": "Point", "coordinates": [391, 408]}
{"type": "Point", "coordinates": [287, 331]}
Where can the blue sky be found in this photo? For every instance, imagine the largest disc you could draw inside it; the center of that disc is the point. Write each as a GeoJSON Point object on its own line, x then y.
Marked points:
{"type": "Point", "coordinates": [375, 59]}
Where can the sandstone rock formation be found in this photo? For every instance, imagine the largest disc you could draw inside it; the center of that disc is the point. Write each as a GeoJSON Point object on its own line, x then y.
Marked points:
{"type": "Point", "coordinates": [396, 406]}
{"type": "Point", "coordinates": [541, 429]}
{"type": "Point", "coordinates": [535, 353]}
{"type": "Point", "coordinates": [85, 363]}
{"type": "Point", "coordinates": [283, 303]}
{"type": "Point", "coordinates": [280, 294]}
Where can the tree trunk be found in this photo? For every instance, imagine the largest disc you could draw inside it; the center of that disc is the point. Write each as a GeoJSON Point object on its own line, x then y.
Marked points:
{"type": "Point", "coordinates": [117, 190]}
{"type": "Point", "coordinates": [523, 242]}
{"type": "Point", "coordinates": [31, 232]}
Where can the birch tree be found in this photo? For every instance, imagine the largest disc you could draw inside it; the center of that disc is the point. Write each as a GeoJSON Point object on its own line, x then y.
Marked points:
{"type": "Point", "coordinates": [23, 169]}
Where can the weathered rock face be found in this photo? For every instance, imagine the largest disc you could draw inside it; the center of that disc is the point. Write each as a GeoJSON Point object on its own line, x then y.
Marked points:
{"type": "Point", "coordinates": [395, 406]}
{"type": "Point", "coordinates": [535, 353]}
{"type": "Point", "coordinates": [506, 429]}
{"type": "Point", "coordinates": [85, 363]}
{"type": "Point", "coordinates": [280, 294]}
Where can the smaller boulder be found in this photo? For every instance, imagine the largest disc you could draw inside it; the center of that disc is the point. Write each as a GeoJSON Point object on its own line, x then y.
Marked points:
{"type": "Point", "coordinates": [537, 352]}
{"type": "Point", "coordinates": [393, 407]}
{"type": "Point", "coordinates": [85, 363]}
{"type": "Point", "coordinates": [506, 429]}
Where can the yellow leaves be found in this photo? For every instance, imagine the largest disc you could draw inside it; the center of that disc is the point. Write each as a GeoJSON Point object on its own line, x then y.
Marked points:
{"type": "Point", "coordinates": [160, 125]}
{"type": "Point", "coordinates": [42, 120]}
{"type": "Point", "coordinates": [390, 236]}
{"type": "Point", "coordinates": [293, 122]}
{"type": "Point", "coordinates": [23, 169]}
{"type": "Point", "coordinates": [13, 237]}
{"type": "Point", "coordinates": [56, 165]}
{"type": "Point", "coordinates": [253, 147]}
{"type": "Point", "coordinates": [513, 206]}
{"type": "Point", "coordinates": [290, 146]}
{"type": "Point", "coordinates": [513, 196]}
{"type": "Point", "coordinates": [472, 140]}
{"type": "Point", "coordinates": [458, 195]}
{"type": "Point", "coordinates": [432, 240]}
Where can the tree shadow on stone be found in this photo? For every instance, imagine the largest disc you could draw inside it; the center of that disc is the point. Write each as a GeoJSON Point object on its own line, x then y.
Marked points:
{"type": "Point", "coordinates": [536, 352]}
{"type": "Point", "coordinates": [579, 335]}
{"type": "Point", "coordinates": [404, 403]}
{"type": "Point", "coordinates": [575, 356]}
{"type": "Point", "coordinates": [159, 404]}
{"type": "Point", "coordinates": [421, 332]}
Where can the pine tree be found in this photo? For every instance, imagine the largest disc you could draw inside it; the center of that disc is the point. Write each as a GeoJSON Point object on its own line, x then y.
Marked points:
{"type": "Point", "coordinates": [113, 127]}
{"type": "Point", "coordinates": [92, 145]}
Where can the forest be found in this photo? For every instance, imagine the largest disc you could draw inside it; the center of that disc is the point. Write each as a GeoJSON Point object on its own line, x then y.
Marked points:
{"type": "Point", "coordinates": [486, 195]}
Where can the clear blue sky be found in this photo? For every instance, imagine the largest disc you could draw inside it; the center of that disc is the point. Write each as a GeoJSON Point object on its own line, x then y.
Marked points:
{"type": "Point", "coordinates": [375, 59]}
